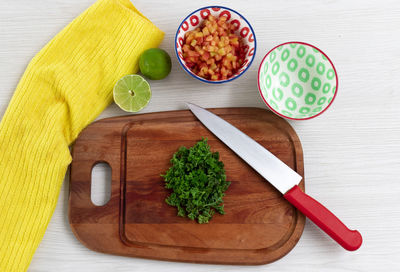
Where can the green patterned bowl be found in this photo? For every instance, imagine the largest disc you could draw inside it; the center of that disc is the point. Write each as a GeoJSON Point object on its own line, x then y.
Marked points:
{"type": "Point", "coordinates": [297, 81]}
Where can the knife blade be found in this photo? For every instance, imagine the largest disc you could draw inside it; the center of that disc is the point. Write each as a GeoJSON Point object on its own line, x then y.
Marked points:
{"type": "Point", "coordinates": [281, 176]}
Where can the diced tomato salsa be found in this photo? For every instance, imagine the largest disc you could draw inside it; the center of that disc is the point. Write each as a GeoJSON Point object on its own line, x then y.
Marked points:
{"type": "Point", "coordinates": [213, 51]}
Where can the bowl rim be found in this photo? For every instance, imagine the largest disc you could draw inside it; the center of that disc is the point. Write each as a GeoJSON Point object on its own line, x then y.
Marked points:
{"type": "Point", "coordinates": [219, 81]}
{"type": "Point", "coordinates": [280, 114]}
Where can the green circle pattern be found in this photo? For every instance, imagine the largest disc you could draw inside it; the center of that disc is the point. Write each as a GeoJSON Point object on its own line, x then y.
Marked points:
{"type": "Point", "coordinates": [278, 94]}
{"type": "Point", "coordinates": [304, 74]}
{"type": "Point", "coordinates": [326, 88]}
{"type": "Point", "coordinates": [310, 60]}
{"type": "Point", "coordinates": [275, 68]}
{"type": "Point", "coordinates": [292, 65]}
{"type": "Point", "coordinates": [285, 54]}
{"type": "Point", "coordinates": [284, 79]}
{"type": "Point", "coordinates": [297, 89]}
{"type": "Point", "coordinates": [304, 110]}
{"type": "Point", "coordinates": [291, 104]}
{"type": "Point", "coordinates": [316, 83]}
{"type": "Point", "coordinates": [272, 57]}
{"type": "Point", "coordinates": [310, 98]}
{"type": "Point", "coordinates": [297, 80]}
{"type": "Point", "coordinates": [301, 51]}
{"type": "Point", "coordinates": [320, 68]}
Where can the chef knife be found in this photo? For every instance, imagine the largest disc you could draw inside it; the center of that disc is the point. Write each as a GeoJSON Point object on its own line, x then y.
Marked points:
{"type": "Point", "coordinates": [281, 176]}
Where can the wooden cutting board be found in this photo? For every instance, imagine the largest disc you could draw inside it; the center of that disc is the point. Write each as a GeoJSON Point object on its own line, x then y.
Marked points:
{"type": "Point", "coordinates": [259, 226]}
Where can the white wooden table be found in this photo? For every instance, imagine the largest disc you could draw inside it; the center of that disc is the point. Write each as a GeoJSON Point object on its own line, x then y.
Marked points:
{"type": "Point", "coordinates": [351, 152]}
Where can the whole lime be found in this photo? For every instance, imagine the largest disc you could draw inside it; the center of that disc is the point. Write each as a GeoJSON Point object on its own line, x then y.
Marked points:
{"type": "Point", "coordinates": [155, 63]}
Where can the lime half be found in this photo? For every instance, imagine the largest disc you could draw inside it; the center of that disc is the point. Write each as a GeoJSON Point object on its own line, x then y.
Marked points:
{"type": "Point", "coordinates": [132, 93]}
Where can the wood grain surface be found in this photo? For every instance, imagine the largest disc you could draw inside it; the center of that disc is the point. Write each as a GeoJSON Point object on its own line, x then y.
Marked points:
{"type": "Point", "coordinates": [351, 152]}
{"type": "Point", "coordinates": [259, 226]}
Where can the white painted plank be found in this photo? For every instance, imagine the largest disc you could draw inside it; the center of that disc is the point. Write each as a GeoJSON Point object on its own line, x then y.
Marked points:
{"type": "Point", "coordinates": [351, 152]}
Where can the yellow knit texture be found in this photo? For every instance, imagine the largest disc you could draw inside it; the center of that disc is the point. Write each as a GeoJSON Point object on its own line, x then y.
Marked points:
{"type": "Point", "coordinates": [64, 88]}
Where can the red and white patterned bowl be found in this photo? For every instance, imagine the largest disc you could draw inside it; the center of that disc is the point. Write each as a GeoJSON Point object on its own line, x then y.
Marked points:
{"type": "Point", "coordinates": [243, 29]}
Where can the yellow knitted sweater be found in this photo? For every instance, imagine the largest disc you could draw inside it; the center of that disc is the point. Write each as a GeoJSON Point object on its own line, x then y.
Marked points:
{"type": "Point", "coordinates": [65, 86]}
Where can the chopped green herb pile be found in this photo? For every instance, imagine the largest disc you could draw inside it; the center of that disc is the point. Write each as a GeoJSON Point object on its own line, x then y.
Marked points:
{"type": "Point", "coordinates": [197, 178]}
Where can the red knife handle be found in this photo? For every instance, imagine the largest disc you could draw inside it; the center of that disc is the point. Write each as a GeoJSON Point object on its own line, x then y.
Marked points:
{"type": "Point", "coordinates": [323, 218]}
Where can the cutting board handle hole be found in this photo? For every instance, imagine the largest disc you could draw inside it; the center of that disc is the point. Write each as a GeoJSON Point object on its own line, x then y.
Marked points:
{"type": "Point", "coordinates": [100, 191]}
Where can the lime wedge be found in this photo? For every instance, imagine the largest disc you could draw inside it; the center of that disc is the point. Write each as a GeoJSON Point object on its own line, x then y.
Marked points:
{"type": "Point", "coordinates": [132, 93]}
